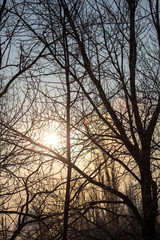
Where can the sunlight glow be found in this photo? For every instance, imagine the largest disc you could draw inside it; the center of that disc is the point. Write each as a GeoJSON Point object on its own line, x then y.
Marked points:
{"type": "Point", "coordinates": [51, 139]}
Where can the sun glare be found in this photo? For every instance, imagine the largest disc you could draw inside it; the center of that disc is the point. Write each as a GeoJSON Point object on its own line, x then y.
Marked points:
{"type": "Point", "coordinates": [50, 139]}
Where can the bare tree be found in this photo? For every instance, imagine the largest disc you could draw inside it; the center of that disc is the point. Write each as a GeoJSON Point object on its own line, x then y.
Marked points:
{"type": "Point", "coordinates": [21, 172]}
{"type": "Point", "coordinates": [113, 55]}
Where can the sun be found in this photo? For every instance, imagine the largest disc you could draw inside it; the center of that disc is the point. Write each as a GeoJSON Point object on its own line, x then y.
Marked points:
{"type": "Point", "coordinates": [51, 139]}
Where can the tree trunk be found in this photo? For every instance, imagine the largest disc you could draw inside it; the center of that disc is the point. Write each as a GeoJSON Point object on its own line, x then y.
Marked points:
{"type": "Point", "coordinates": [148, 229]}
{"type": "Point", "coordinates": [149, 203]}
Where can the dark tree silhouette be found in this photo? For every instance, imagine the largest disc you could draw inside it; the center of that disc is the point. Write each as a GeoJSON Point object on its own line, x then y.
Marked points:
{"type": "Point", "coordinates": [97, 77]}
